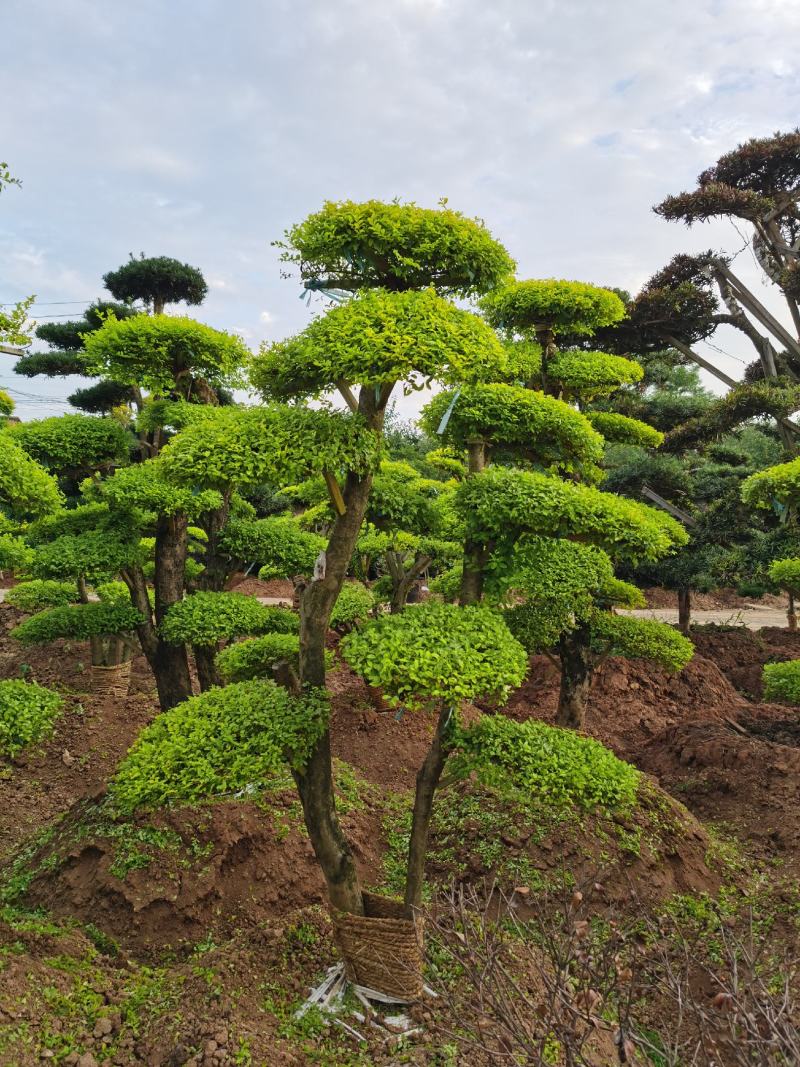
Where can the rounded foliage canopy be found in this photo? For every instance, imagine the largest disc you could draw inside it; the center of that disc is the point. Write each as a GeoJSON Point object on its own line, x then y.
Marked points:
{"type": "Point", "coordinates": [73, 442]}
{"type": "Point", "coordinates": [41, 593]}
{"type": "Point", "coordinates": [27, 491]}
{"type": "Point", "coordinates": [377, 338]}
{"type": "Point", "coordinates": [621, 429]}
{"type": "Point", "coordinates": [161, 352]}
{"type": "Point", "coordinates": [395, 246]}
{"type": "Point", "coordinates": [256, 657]}
{"type": "Point", "coordinates": [278, 544]}
{"type": "Point", "coordinates": [574, 372]}
{"type": "Point", "coordinates": [782, 681]}
{"type": "Point", "coordinates": [561, 766]}
{"type": "Point", "coordinates": [279, 445]}
{"type": "Point", "coordinates": [95, 554]}
{"type": "Point", "coordinates": [563, 306]}
{"type": "Point", "coordinates": [503, 503]}
{"type": "Point", "coordinates": [780, 483]}
{"type": "Point", "coordinates": [353, 604]}
{"type": "Point", "coordinates": [437, 653]}
{"type": "Point", "coordinates": [786, 574]}
{"type": "Point", "coordinates": [538, 427]}
{"type": "Point", "coordinates": [219, 742]}
{"type": "Point", "coordinates": [157, 279]}
{"type": "Point", "coordinates": [27, 711]}
{"type": "Point", "coordinates": [620, 635]}
{"type": "Point", "coordinates": [78, 621]}
{"type": "Point", "coordinates": [207, 617]}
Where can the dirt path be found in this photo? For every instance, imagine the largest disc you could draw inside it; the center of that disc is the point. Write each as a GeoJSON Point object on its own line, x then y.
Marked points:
{"type": "Point", "coordinates": [754, 617]}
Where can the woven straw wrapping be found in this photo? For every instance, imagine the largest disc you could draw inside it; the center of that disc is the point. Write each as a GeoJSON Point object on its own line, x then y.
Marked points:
{"type": "Point", "coordinates": [111, 681]}
{"type": "Point", "coordinates": [383, 948]}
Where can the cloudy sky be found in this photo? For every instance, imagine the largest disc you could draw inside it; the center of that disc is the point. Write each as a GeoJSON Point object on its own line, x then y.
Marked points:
{"type": "Point", "coordinates": [201, 129]}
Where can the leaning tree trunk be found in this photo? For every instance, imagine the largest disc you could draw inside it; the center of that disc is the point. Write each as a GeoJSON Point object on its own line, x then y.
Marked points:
{"type": "Point", "coordinates": [684, 609]}
{"type": "Point", "coordinates": [791, 615]}
{"type": "Point", "coordinates": [574, 649]}
{"type": "Point", "coordinates": [427, 780]}
{"type": "Point", "coordinates": [315, 780]}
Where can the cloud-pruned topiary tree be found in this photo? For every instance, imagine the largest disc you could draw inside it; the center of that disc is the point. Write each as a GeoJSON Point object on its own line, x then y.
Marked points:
{"type": "Point", "coordinates": [156, 281]}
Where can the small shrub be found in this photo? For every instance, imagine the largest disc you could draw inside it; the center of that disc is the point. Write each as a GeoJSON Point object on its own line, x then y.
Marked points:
{"type": "Point", "coordinates": [218, 742]}
{"type": "Point", "coordinates": [27, 712]}
{"type": "Point", "coordinates": [41, 593]}
{"type": "Point", "coordinates": [559, 766]}
{"type": "Point", "coordinates": [782, 681]}
{"type": "Point", "coordinates": [353, 605]}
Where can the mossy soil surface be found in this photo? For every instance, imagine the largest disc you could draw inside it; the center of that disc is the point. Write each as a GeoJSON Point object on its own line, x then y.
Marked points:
{"type": "Point", "coordinates": [190, 936]}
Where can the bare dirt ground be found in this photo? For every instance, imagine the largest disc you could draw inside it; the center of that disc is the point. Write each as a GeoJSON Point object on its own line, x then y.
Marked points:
{"type": "Point", "coordinates": [197, 932]}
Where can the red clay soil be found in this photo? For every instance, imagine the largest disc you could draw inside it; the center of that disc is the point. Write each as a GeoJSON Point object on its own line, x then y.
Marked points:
{"type": "Point", "coordinates": [741, 653]}
{"type": "Point", "coordinates": [718, 600]}
{"type": "Point", "coordinates": [275, 587]}
{"type": "Point", "coordinates": [631, 701]}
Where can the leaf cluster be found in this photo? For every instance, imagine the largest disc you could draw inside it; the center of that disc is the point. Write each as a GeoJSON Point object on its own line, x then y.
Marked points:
{"type": "Point", "coordinates": [353, 605]}
{"type": "Point", "coordinates": [563, 306]}
{"type": "Point", "coordinates": [206, 617]}
{"type": "Point", "coordinates": [41, 593]}
{"type": "Point", "coordinates": [77, 622]}
{"type": "Point", "coordinates": [27, 491]}
{"type": "Point", "coordinates": [157, 279]}
{"type": "Point", "coordinates": [278, 543]}
{"type": "Point", "coordinates": [376, 339]}
{"type": "Point", "coordinates": [437, 653]}
{"type": "Point", "coordinates": [27, 713]}
{"type": "Point", "coordinates": [73, 442]}
{"type": "Point", "coordinates": [561, 767]}
{"type": "Point", "coordinates": [782, 681]}
{"type": "Point", "coordinates": [395, 246]}
{"type": "Point", "coordinates": [222, 741]}
{"type": "Point", "coordinates": [658, 642]}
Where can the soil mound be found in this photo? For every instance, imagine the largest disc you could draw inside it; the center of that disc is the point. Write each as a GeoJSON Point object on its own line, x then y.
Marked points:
{"type": "Point", "coordinates": [742, 773]}
{"type": "Point", "coordinates": [170, 880]}
{"type": "Point", "coordinates": [741, 653]}
{"type": "Point", "coordinates": [631, 700]}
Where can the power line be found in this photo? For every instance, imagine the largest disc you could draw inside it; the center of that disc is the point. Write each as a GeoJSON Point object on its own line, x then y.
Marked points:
{"type": "Point", "coordinates": [45, 303]}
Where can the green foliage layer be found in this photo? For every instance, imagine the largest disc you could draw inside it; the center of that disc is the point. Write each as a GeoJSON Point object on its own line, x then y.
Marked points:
{"type": "Point", "coordinates": [256, 657]}
{"type": "Point", "coordinates": [27, 712]}
{"type": "Point", "coordinates": [157, 351]}
{"type": "Point", "coordinates": [222, 741]}
{"type": "Point", "coordinates": [501, 502]}
{"type": "Point", "coordinates": [206, 617]}
{"type": "Point", "coordinates": [378, 338]}
{"type": "Point", "coordinates": [41, 593]}
{"type": "Point", "coordinates": [355, 246]}
{"type": "Point", "coordinates": [73, 442]}
{"type": "Point", "coordinates": [278, 543]}
{"type": "Point", "coordinates": [786, 574]}
{"type": "Point", "coordinates": [619, 635]}
{"type": "Point", "coordinates": [566, 307]}
{"type": "Point", "coordinates": [437, 653]}
{"type": "Point", "coordinates": [537, 426]}
{"type": "Point", "coordinates": [353, 604]}
{"type": "Point", "coordinates": [624, 430]}
{"type": "Point", "coordinates": [26, 489]}
{"type": "Point", "coordinates": [95, 554]}
{"type": "Point", "coordinates": [78, 622]}
{"type": "Point", "coordinates": [559, 766]}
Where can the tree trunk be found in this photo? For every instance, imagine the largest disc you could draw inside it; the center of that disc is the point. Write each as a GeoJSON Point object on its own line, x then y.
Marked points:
{"type": "Point", "coordinates": [217, 565]}
{"type": "Point", "coordinates": [427, 780]}
{"type": "Point", "coordinates": [402, 579]}
{"type": "Point", "coordinates": [791, 616]}
{"type": "Point", "coordinates": [315, 780]}
{"type": "Point", "coordinates": [684, 610]}
{"type": "Point", "coordinates": [205, 661]}
{"type": "Point", "coordinates": [475, 554]}
{"type": "Point", "coordinates": [574, 649]}
{"type": "Point", "coordinates": [158, 305]}
{"type": "Point", "coordinates": [170, 663]}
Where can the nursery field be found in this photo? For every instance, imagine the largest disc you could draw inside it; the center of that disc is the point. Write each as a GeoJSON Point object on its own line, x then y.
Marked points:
{"type": "Point", "coordinates": [333, 737]}
{"type": "Point", "coordinates": [192, 936]}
